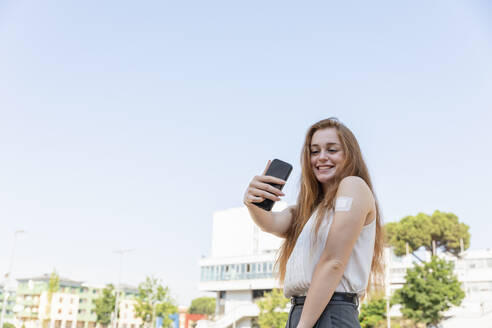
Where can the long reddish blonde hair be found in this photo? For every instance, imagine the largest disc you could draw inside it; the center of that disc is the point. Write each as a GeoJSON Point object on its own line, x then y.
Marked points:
{"type": "Point", "coordinates": [311, 197]}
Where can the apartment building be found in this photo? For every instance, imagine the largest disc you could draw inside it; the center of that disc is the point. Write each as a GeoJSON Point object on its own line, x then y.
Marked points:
{"type": "Point", "coordinates": [10, 304]}
{"type": "Point", "coordinates": [72, 306]}
{"type": "Point", "coordinates": [128, 318]}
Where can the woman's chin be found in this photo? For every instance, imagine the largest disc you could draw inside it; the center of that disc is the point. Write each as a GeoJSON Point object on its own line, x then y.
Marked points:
{"type": "Point", "coordinates": [325, 179]}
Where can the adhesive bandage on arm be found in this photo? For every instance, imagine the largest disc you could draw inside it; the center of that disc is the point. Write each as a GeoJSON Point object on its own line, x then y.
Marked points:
{"type": "Point", "coordinates": [343, 204]}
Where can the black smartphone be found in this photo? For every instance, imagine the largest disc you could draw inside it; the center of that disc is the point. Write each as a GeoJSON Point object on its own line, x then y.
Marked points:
{"type": "Point", "coordinates": [278, 169]}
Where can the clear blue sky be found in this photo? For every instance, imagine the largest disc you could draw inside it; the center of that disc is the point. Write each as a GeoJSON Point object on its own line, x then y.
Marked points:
{"type": "Point", "coordinates": [126, 125]}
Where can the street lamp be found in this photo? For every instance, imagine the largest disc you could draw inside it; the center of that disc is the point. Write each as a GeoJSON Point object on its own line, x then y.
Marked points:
{"type": "Point", "coordinates": [121, 252]}
{"type": "Point", "coordinates": [8, 277]}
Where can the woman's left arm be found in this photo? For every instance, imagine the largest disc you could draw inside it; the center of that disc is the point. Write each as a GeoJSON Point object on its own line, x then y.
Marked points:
{"type": "Point", "coordinates": [344, 231]}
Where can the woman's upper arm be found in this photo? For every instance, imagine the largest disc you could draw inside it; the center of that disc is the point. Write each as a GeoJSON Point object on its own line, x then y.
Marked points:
{"type": "Point", "coordinates": [283, 221]}
{"type": "Point", "coordinates": [348, 219]}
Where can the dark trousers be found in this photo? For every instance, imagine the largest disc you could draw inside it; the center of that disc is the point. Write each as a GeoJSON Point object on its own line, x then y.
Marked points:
{"type": "Point", "coordinates": [338, 313]}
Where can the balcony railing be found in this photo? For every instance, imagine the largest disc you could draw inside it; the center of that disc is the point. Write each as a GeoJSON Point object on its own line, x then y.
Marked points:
{"type": "Point", "coordinates": [226, 276]}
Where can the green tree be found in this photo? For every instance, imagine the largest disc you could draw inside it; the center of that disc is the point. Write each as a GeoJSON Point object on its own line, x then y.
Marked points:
{"type": "Point", "coordinates": [430, 289]}
{"type": "Point", "coordinates": [272, 314]}
{"type": "Point", "coordinates": [373, 313]}
{"type": "Point", "coordinates": [421, 230]}
{"type": "Point", "coordinates": [154, 300]}
{"type": "Point", "coordinates": [53, 287]}
{"type": "Point", "coordinates": [8, 325]}
{"type": "Point", "coordinates": [54, 283]}
{"type": "Point", "coordinates": [203, 305]}
{"type": "Point", "coordinates": [104, 305]}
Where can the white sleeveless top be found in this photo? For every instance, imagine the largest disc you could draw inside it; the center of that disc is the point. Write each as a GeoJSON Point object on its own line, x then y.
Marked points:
{"type": "Point", "coordinates": [303, 260]}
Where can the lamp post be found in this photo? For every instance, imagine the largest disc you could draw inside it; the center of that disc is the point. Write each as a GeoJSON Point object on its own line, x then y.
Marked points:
{"type": "Point", "coordinates": [8, 277]}
{"type": "Point", "coordinates": [121, 252]}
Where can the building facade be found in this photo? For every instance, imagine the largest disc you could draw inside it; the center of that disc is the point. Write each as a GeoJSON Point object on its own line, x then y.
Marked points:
{"type": "Point", "coordinates": [240, 268]}
{"type": "Point", "coordinates": [71, 306]}
{"type": "Point", "coordinates": [9, 304]}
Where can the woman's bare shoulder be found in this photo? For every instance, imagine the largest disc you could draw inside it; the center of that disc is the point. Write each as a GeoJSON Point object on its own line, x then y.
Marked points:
{"type": "Point", "coordinates": [355, 186]}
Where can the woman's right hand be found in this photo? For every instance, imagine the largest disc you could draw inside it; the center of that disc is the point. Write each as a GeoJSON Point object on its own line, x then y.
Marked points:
{"type": "Point", "coordinates": [259, 189]}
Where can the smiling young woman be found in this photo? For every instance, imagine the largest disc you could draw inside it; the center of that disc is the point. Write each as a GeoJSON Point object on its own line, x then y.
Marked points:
{"type": "Point", "coordinates": [333, 236]}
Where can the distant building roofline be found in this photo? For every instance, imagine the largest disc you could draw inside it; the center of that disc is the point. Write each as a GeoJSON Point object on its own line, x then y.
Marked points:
{"type": "Point", "coordinates": [46, 277]}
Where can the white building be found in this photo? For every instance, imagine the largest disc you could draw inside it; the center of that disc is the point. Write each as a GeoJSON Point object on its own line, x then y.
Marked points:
{"type": "Point", "coordinates": [128, 318]}
{"type": "Point", "coordinates": [63, 310]}
{"type": "Point", "coordinates": [240, 270]}
{"type": "Point", "coordinates": [240, 267]}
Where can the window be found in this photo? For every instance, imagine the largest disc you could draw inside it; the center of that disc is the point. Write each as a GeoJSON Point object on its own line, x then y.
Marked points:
{"type": "Point", "coordinates": [257, 293]}
{"type": "Point", "coordinates": [248, 267]}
